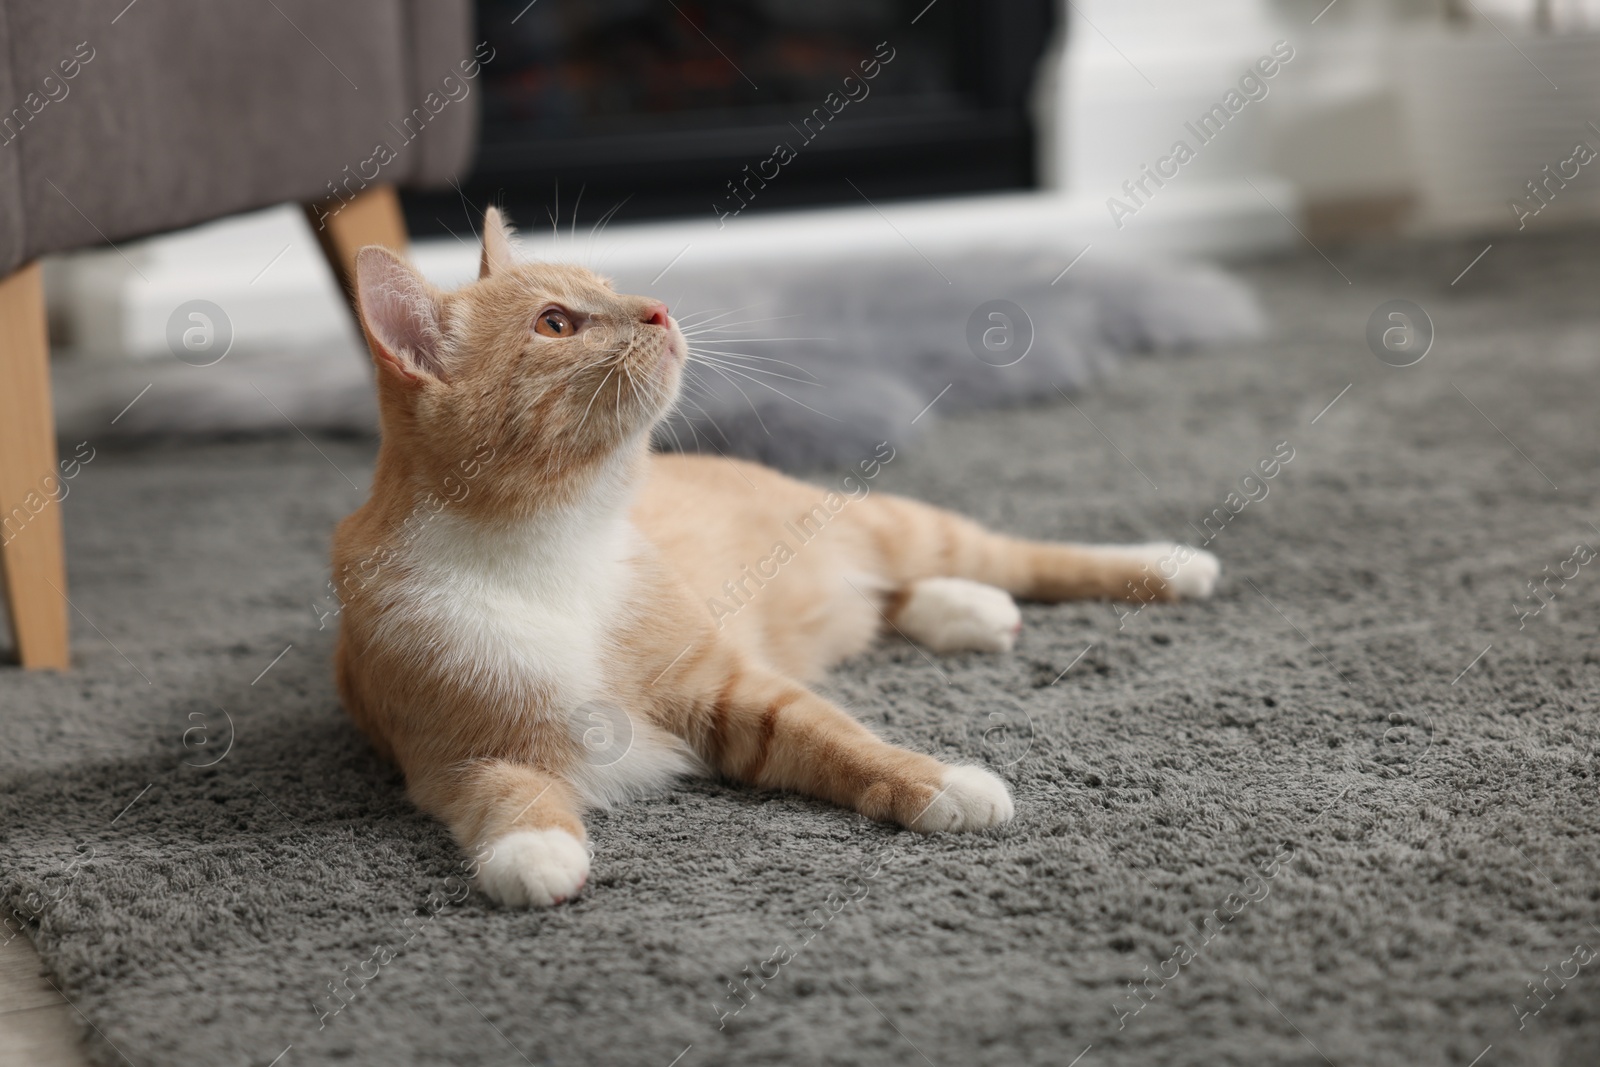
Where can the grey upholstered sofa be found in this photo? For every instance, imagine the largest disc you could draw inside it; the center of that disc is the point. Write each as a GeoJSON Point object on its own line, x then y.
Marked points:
{"type": "Point", "coordinates": [123, 119]}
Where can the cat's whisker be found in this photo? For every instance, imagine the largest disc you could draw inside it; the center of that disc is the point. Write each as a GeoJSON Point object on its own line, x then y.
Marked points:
{"type": "Point", "coordinates": [753, 409]}
{"type": "Point", "coordinates": [605, 220]}
{"type": "Point", "coordinates": [599, 228]}
{"type": "Point", "coordinates": [695, 436]}
{"type": "Point", "coordinates": [736, 356]}
{"type": "Point", "coordinates": [701, 408]}
{"type": "Point", "coordinates": [633, 390]}
{"type": "Point", "coordinates": [692, 378]}
{"type": "Point", "coordinates": [596, 363]}
{"type": "Point", "coordinates": [668, 424]}
{"type": "Point", "coordinates": [714, 425]}
{"type": "Point", "coordinates": [701, 357]}
{"type": "Point", "coordinates": [773, 388]}
{"type": "Point", "coordinates": [709, 311]}
{"type": "Point", "coordinates": [779, 367]}
{"type": "Point", "coordinates": [725, 343]}
{"type": "Point", "coordinates": [707, 325]}
{"type": "Point", "coordinates": [722, 349]}
{"type": "Point", "coordinates": [590, 405]}
{"type": "Point", "coordinates": [713, 315]}
{"type": "Point", "coordinates": [573, 235]}
{"type": "Point", "coordinates": [741, 340]}
{"type": "Point", "coordinates": [713, 445]}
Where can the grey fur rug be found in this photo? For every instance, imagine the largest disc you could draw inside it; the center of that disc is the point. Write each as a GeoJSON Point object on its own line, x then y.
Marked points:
{"type": "Point", "coordinates": [812, 363]}
{"type": "Point", "coordinates": [1354, 785]}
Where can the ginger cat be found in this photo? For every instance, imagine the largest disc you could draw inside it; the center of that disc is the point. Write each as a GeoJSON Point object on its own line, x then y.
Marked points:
{"type": "Point", "coordinates": [528, 578]}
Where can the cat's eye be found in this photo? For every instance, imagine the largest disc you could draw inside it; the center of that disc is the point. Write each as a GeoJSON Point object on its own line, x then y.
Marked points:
{"type": "Point", "coordinates": [553, 322]}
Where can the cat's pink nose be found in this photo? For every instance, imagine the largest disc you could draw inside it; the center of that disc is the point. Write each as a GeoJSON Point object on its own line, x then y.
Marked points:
{"type": "Point", "coordinates": [655, 315]}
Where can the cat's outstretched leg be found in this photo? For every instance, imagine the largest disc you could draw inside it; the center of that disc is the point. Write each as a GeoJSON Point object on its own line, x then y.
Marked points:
{"type": "Point", "coordinates": [521, 823]}
{"type": "Point", "coordinates": [755, 725]}
{"type": "Point", "coordinates": [915, 541]}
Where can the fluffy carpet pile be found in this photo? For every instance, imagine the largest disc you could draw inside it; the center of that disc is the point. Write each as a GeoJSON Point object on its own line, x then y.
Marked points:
{"type": "Point", "coordinates": [1346, 812]}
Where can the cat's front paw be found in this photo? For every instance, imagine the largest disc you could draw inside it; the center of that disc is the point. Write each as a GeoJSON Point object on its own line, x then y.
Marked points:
{"type": "Point", "coordinates": [969, 798]}
{"type": "Point", "coordinates": [535, 868]}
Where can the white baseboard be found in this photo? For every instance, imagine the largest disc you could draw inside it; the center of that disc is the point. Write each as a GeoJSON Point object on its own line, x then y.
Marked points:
{"type": "Point", "coordinates": [266, 271]}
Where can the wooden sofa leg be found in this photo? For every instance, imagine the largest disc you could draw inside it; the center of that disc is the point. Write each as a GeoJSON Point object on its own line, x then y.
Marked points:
{"type": "Point", "coordinates": [32, 556]}
{"type": "Point", "coordinates": [344, 227]}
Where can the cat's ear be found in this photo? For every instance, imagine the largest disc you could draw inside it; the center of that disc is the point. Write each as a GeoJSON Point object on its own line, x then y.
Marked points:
{"type": "Point", "coordinates": [400, 312]}
{"type": "Point", "coordinates": [497, 235]}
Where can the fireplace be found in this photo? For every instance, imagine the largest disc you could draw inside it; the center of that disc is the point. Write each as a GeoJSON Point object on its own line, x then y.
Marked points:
{"type": "Point", "coordinates": [679, 107]}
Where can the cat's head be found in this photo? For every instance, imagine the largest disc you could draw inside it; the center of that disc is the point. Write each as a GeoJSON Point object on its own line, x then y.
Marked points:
{"type": "Point", "coordinates": [544, 364]}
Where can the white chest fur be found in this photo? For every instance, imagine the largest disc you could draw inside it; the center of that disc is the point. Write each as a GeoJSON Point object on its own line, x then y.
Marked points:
{"type": "Point", "coordinates": [527, 604]}
{"type": "Point", "coordinates": [535, 607]}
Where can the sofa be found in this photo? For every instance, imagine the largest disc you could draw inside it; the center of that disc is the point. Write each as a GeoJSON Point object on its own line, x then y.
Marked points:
{"type": "Point", "coordinates": [123, 119]}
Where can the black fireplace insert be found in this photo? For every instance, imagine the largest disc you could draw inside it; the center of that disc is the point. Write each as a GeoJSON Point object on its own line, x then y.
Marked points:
{"type": "Point", "coordinates": [679, 107]}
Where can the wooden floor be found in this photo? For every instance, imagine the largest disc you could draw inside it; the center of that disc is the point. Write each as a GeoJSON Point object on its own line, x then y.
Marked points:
{"type": "Point", "coordinates": [38, 1028]}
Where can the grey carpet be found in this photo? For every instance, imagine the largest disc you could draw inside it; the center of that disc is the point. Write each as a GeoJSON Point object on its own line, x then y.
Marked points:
{"type": "Point", "coordinates": [1442, 819]}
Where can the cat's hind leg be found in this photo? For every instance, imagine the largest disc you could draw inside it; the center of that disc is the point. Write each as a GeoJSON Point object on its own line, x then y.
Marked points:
{"type": "Point", "coordinates": [913, 541]}
{"type": "Point", "coordinates": [956, 615]}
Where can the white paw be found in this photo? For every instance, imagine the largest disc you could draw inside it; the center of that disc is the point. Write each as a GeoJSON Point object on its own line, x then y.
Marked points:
{"type": "Point", "coordinates": [970, 799]}
{"type": "Point", "coordinates": [534, 867]}
{"type": "Point", "coordinates": [1198, 571]}
{"type": "Point", "coordinates": [955, 615]}
{"type": "Point", "coordinates": [1193, 572]}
